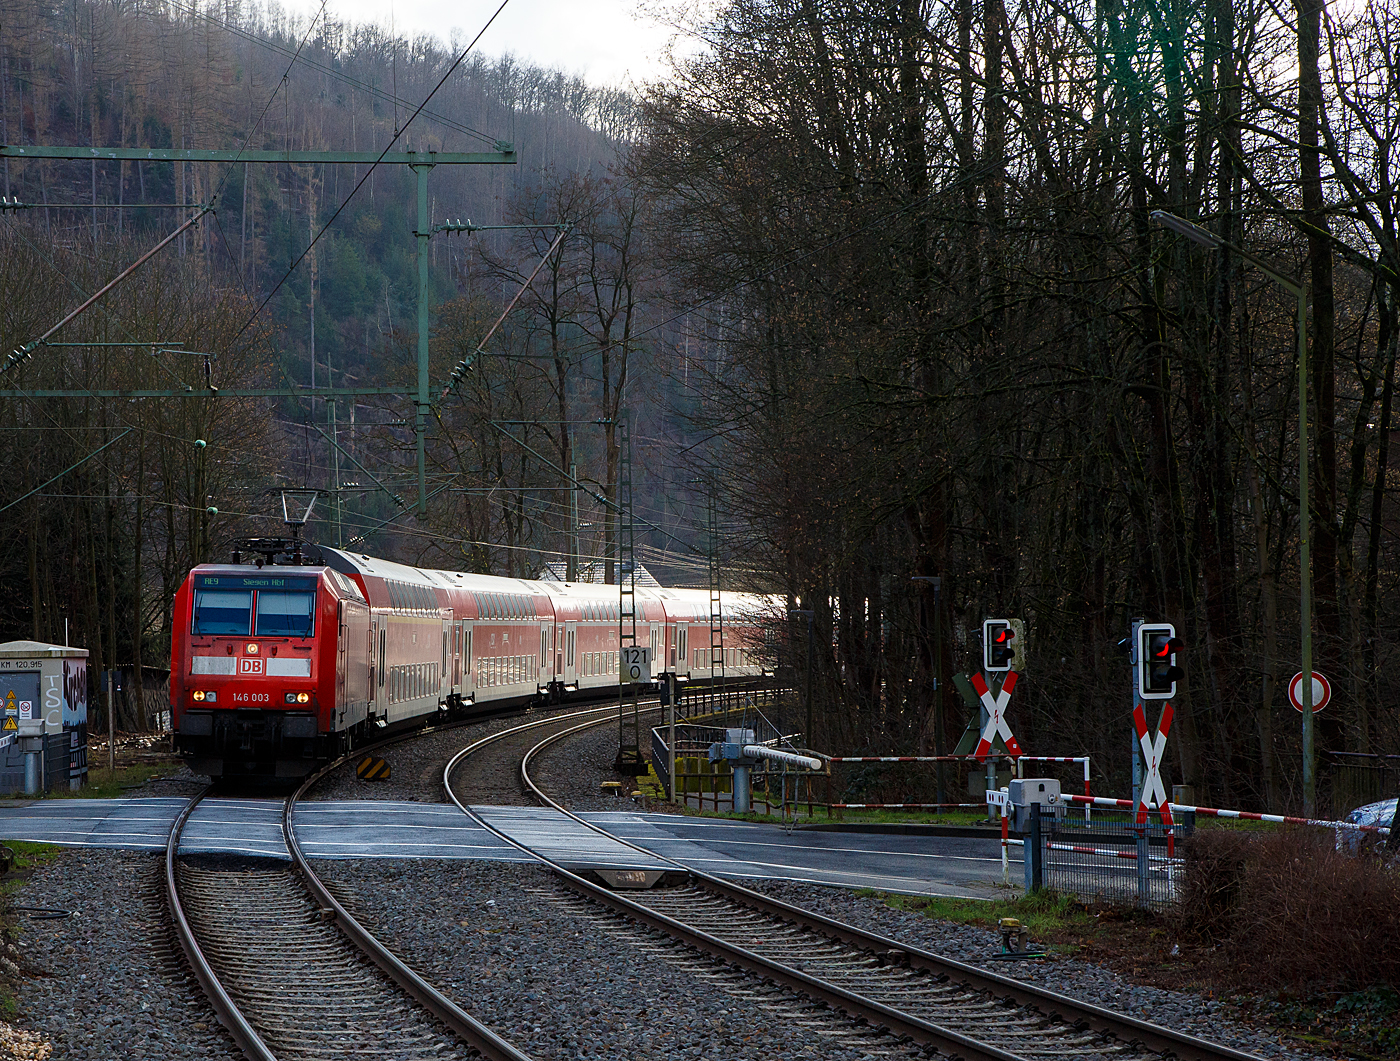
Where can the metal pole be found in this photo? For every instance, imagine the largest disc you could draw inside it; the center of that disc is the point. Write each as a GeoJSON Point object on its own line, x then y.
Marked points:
{"type": "Point", "coordinates": [111, 725]}
{"type": "Point", "coordinates": [937, 689]}
{"type": "Point", "coordinates": [571, 575]}
{"type": "Point", "coordinates": [1143, 847]}
{"type": "Point", "coordinates": [671, 736]}
{"type": "Point", "coordinates": [1305, 561]}
{"type": "Point", "coordinates": [335, 470]}
{"type": "Point", "coordinates": [421, 419]}
{"type": "Point", "coordinates": [811, 639]}
{"type": "Point", "coordinates": [1132, 738]}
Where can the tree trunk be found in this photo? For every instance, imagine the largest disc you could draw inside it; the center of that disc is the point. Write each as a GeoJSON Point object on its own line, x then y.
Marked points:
{"type": "Point", "coordinates": [1328, 657]}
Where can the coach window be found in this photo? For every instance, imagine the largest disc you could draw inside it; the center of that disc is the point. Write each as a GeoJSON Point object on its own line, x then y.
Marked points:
{"type": "Point", "coordinates": [285, 614]}
{"type": "Point", "coordinates": [222, 611]}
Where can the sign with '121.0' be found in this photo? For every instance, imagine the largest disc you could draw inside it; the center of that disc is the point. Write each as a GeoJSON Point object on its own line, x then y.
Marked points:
{"type": "Point", "coordinates": [635, 663]}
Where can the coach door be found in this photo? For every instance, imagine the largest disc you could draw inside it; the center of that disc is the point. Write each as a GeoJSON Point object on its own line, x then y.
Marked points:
{"type": "Point", "coordinates": [570, 645]}
{"type": "Point", "coordinates": [468, 675]}
{"type": "Point", "coordinates": [342, 643]}
{"type": "Point", "coordinates": [457, 657]}
{"type": "Point", "coordinates": [373, 660]}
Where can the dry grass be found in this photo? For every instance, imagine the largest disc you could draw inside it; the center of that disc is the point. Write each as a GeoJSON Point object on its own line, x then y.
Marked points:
{"type": "Point", "coordinates": [1288, 912]}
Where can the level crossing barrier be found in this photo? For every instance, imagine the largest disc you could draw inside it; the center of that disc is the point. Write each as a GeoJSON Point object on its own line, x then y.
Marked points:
{"type": "Point", "coordinates": [1245, 815]}
{"type": "Point", "coordinates": [833, 805]}
{"type": "Point", "coordinates": [1124, 856]}
{"type": "Point", "coordinates": [705, 784]}
{"type": "Point", "coordinates": [1022, 760]}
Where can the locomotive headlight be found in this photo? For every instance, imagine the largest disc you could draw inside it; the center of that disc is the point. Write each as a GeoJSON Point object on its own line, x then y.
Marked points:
{"type": "Point", "coordinates": [290, 698]}
{"type": "Point", "coordinates": [250, 648]}
{"type": "Point", "coordinates": [209, 697]}
{"type": "Point", "coordinates": [199, 694]}
{"type": "Point", "coordinates": [303, 698]}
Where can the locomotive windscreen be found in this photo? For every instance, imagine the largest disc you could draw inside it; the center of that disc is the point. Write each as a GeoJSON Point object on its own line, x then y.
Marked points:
{"type": "Point", "coordinates": [225, 605]}
{"type": "Point", "coordinates": [221, 611]}
{"type": "Point", "coordinates": [285, 614]}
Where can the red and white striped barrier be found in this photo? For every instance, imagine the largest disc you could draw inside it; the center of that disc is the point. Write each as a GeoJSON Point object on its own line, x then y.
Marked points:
{"type": "Point", "coordinates": [904, 806]}
{"type": "Point", "coordinates": [1248, 815]}
{"type": "Point", "coordinates": [905, 758]}
{"type": "Point", "coordinates": [1020, 771]}
{"type": "Point", "coordinates": [1055, 845]}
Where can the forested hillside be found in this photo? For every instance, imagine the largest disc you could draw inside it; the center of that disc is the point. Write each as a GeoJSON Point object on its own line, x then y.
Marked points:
{"type": "Point", "coordinates": [885, 279]}
{"type": "Point", "coordinates": [118, 498]}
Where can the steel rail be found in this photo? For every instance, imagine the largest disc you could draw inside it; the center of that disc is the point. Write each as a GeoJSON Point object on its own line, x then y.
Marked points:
{"type": "Point", "coordinates": [459, 1021]}
{"type": "Point", "coordinates": [230, 1016]}
{"type": "Point", "coordinates": [1150, 1036]}
{"type": "Point", "coordinates": [854, 1005]}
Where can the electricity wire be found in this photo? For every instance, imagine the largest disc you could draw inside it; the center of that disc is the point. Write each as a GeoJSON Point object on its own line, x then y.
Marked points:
{"type": "Point", "coordinates": [268, 106]}
{"type": "Point", "coordinates": [329, 71]}
{"type": "Point", "coordinates": [361, 182]}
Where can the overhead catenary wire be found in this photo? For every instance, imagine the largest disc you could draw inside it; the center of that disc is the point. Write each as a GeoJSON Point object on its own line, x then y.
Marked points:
{"type": "Point", "coordinates": [270, 99]}
{"type": "Point", "coordinates": [329, 71]}
{"type": "Point", "coordinates": [371, 168]}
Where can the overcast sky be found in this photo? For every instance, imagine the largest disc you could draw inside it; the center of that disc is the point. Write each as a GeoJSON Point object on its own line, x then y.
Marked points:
{"type": "Point", "coordinates": [607, 41]}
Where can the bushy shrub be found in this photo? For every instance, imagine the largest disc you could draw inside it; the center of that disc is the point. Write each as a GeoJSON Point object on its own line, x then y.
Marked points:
{"type": "Point", "coordinates": [1290, 912]}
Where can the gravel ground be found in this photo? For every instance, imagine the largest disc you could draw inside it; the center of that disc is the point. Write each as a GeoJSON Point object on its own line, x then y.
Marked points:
{"type": "Point", "coordinates": [573, 770]}
{"type": "Point", "coordinates": [418, 764]}
{"type": "Point", "coordinates": [491, 938]}
{"type": "Point", "coordinates": [104, 984]}
{"type": "Point", "coordinates": [1180, 1011]}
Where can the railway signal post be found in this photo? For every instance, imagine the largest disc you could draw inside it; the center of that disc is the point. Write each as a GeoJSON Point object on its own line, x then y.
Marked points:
{"type": "Point", "coordinates": [1003, 652]}
{"type": "Point", "coordinates": [1152, 658]}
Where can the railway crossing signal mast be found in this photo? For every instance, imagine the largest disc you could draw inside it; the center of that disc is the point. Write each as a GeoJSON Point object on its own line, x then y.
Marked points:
{"type": "Point", "coordinates": [1152, 654]}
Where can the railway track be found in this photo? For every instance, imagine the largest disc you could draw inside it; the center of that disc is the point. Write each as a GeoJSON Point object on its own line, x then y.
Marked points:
{"type": "Point", "coordinates": [905, 996]}
{"type": "Point", "coordinates": [292, 975]}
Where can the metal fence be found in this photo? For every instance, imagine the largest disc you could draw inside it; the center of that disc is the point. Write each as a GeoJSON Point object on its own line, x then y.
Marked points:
{"type": "Point", "coordinates": [1109, 859]}
{"type": "Point", "coordinates": [706, 785]}
{"type": "Point", "coordinates": [1358, 778]}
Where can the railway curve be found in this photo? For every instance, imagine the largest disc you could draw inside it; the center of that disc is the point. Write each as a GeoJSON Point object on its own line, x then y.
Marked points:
{"type": "Point", "coordinates": [911, 994]}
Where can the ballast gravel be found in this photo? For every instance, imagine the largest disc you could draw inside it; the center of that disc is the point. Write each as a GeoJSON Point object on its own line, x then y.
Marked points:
{"type": "Point", "coordinates": [1178, 1010]}
{"type": "Point", "coordinates": [492, 938]}
{"type": "Point", "coordinates": [103, 984]}
{"type": "Point", "coordinates": [417, 763]}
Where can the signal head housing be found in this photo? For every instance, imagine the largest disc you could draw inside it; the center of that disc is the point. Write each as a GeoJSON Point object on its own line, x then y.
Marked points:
{"type": "Point", "coordinates": [1157, 670]}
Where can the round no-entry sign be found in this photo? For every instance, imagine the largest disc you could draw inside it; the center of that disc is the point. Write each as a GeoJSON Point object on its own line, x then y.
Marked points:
{"type": "Point", "coordinates": [1321, 691]}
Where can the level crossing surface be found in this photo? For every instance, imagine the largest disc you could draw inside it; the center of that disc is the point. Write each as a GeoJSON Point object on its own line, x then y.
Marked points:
{"type": "Point", "coordinates": [916, 865]}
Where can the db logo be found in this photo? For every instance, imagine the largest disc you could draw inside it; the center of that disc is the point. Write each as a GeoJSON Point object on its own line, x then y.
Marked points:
{"type": "Point", "coordinates": [250, 666]}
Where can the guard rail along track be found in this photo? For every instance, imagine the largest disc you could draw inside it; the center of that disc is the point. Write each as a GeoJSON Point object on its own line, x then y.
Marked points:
{"type": "Point", "coordinates": [914, 994]}
{"type": "Point", "coordinates": [291, 974]}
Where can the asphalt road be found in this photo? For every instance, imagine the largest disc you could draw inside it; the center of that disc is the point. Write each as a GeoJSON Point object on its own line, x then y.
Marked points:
{"type": "Point", "coordinates": [916, 865]}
